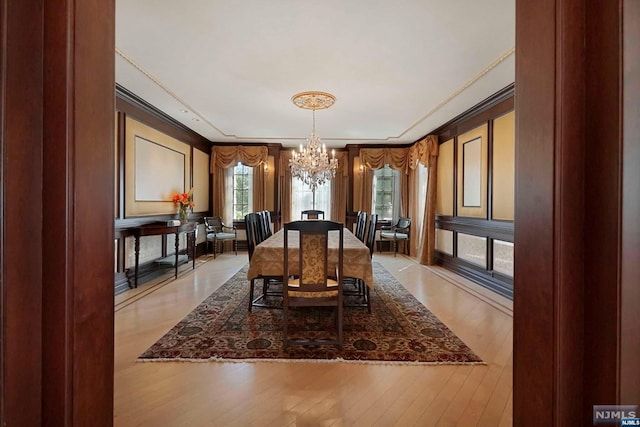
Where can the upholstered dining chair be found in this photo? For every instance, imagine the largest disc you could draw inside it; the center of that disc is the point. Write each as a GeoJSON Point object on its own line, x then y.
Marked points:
{"type": "Point", "coordinates": [253, 222]}
{"type": "Point", "coordinates": [312, 214]}
{"type": "Point", "coordinates": [311, 284]}
{"type": "Point", "coordinates": [216, 234]}
{"type": "Point", "coordinates": [397, 232]}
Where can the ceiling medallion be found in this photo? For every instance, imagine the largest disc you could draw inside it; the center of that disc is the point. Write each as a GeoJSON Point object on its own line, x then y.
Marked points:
{"type": "Point", "coordinates": [312, 164]}
{"type": "Point", "coordinates": [313, 100]}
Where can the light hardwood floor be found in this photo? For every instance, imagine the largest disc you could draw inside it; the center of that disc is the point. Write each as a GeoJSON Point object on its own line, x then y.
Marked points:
{"type": "Point", "coordinates": [312, 394]}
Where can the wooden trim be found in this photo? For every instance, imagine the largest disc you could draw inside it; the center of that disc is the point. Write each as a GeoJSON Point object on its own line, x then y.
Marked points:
{"type": "Point", "coordinates": [499, 283]}
{"type": "Point", "coordinates": [496, 105]}
{"type": "Point", "coordinates": [495, 229]}
{"type": "Point", "coordinates": [140, 110]}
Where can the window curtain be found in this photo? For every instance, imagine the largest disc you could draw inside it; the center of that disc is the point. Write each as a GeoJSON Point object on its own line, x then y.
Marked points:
{"type": "Point", "coordinates": [376, 158]}
{"type": "Point", "coordinates": [366, 193]}
{"type": "Point", "coordinates": [285, 186]}
{"type": "Point", "coordinates": [426, 152]}
{"type": "Point", "coordinates": [339, 188]}
{"type": "Point", "coordinates": [418, 180]}
{"type": "Point", "coordinates": [225, 157]}
{"type": "Point", "coordinates": [259, 189]}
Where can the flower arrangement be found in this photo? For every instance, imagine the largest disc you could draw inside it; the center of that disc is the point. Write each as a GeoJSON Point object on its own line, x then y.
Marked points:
{"type": "Point", "coordinates": [184, 202]}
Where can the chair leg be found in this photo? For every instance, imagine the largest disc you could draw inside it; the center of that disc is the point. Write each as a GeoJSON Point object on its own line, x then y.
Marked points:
{"type": "Point", "coordinates": [395, 247]}
{"type": "Point", "coordinates": [251, 294]}
{"type": "Point", "coordinates": [368, 297]}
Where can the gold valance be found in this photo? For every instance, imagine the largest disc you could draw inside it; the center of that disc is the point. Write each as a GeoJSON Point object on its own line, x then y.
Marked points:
{"type": "Point", "coordinates": [376, 158]}
{"type": "Point", "coordinates": [227, 156]}
{"type": "Point", "coordinates": [422, 150]}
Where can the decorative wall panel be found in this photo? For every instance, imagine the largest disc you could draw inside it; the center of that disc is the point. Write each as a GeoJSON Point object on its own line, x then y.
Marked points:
{"type": "Point", "coordinates": [444, 195]}
{"type": "Point", "coordinates": [503, 166]}
{"type": "Point", "coordinates": [472, 249]}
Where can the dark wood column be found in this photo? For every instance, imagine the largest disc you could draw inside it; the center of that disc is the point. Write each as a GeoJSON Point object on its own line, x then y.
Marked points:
{"type": "Point", "coordinates": [57, 249]}
{"type": "Point", "coordinates": [21, 37]}
{"type": "Point", "coordinates": [78, 206]}
{"type": "Point", "coordinates": [576, 340]}
{"type": "Point", "coordinates": [548, 276]}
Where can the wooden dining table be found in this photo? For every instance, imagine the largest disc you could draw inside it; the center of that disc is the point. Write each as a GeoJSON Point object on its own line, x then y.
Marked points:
{"type": "Point", "coordinates": [268, 257]}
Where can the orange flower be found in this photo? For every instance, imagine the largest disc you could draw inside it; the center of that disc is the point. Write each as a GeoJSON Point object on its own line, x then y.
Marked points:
{"type": "Point", "coordinates": [184, 200]}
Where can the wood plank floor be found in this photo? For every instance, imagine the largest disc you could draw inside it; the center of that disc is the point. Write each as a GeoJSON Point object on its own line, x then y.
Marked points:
{"type": "Point", "coordinates": [311, 394]}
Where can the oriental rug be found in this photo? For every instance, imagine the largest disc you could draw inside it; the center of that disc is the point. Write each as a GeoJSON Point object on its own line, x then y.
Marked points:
{"type": "Point", "coordinates": [399, 330]}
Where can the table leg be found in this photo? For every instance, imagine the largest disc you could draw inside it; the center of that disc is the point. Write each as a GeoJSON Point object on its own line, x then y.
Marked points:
{"type": "Point", "coordinates": [137, 249]}
{"type": "Point", "coordinates": [177, 246]}
{"type": "Point", "coordinates": [193, 250]}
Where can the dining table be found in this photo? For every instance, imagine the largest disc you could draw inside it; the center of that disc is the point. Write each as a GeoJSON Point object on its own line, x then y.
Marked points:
{"type": "Point", "coordinates": [268, 256]}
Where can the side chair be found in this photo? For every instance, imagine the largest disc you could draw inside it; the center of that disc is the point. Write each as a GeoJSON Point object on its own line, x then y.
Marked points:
{"type": "Point", "coordinates": [397, 232]}
{"type": "Point", "coordinates": [215, 229]}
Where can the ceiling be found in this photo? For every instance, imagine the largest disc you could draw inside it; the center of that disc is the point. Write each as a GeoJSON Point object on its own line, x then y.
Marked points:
{"type": "Point", "coordinates": [398, 70]}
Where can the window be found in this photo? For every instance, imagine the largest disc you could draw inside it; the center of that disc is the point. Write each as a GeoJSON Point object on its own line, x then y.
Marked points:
{"type": "Point", "coordinates": [242, 191]}
{"type": "Point", "coordinates": [386, 193]}
{"type": "Point", "coordinates": [302, 198]}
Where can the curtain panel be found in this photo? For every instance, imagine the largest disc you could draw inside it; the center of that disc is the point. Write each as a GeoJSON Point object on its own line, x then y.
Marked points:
{"type": "Point", "coordinates": [426, 152]}
{"type": "Point", "coordinates": [340, 188]}
{"type": "Point", "coordinates": [285, 185]}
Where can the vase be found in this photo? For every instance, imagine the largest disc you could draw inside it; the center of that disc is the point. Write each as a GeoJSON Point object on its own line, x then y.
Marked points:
{"type": "Point", "coordinates": [183, 215]}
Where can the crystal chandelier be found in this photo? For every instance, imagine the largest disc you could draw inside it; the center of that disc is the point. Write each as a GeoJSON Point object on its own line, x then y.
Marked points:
{"type": "Point", "coordinates": [312, 164]}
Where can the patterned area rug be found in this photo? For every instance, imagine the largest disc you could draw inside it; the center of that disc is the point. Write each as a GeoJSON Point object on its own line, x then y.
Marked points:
{"type": "Point", "coordinates": [399, 330]}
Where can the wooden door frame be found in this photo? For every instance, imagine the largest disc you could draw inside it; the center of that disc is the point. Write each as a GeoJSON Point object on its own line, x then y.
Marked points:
{"type": "Point", "coordinates": [57, 127]}
{"type": "Point", "coordinates": [56, 286]}
{"type": "Point", "coordinates": [576, 342]}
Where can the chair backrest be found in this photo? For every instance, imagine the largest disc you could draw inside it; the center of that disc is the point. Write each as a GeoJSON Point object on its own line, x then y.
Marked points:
{"type": "Point", "coordinates": [371, 235]}
{"type": "Point", "coordinates": [213, 224]}
{"type": "Point", "coordinates": [404, 223]}
{"type": "Point", "coordinates": [252, 223]}
{"type": "Point", "coordinates": [361, 225]}
{"type": "Point", "coordinates": [313, 261]}
{"type": "Point", "coordinates": [312, 214]}
{"type": "Point", "coordinates": [266, 223]}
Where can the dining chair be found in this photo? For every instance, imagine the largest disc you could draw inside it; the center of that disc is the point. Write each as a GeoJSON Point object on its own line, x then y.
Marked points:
{"type": "Point", "coordinates": [361, 288]}
{"type": "Point", "coordinates": [215, 229]}
{"type": "Point", "coordinates": [361, 225]}
{"type": "Point", "coordinates": [265, 216]}
{"type": "Point", "coordinates": [252, 222]}
{"type": "Point", "coordinates": [395, 233]}
{"type": "Point", "coordinates": [312, 214]}
{"type": "Point", "coordinates": [311, 284]}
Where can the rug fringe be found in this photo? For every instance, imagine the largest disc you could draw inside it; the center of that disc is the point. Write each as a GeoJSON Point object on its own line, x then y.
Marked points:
{"type": "Point", "coordinates": [338, 360]}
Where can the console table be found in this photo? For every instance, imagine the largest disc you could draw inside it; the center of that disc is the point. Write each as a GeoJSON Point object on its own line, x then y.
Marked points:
{"type": "Point", "coordinates": [161, 229]}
